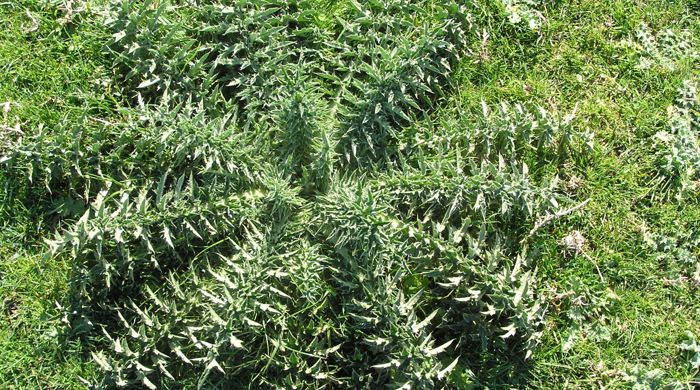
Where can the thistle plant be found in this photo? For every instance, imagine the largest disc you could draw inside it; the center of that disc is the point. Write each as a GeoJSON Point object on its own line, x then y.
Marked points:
{"type": "Point", "coordinates": [691, 347]}
{"type": "Point", "coordinates": [678, 147]}
{"type": "Point", "coordinates": [677, 251]}
{"type": "Point", "coordinates": [276, 207]}
{"type": "Point", "coordinates": [663, 49]}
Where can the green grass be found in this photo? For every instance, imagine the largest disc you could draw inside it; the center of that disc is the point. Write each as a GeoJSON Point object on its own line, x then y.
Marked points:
{"type": "Point", "coordinates": [54, 76]}
{"type": "Point", "coordinates": [50, 76]}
